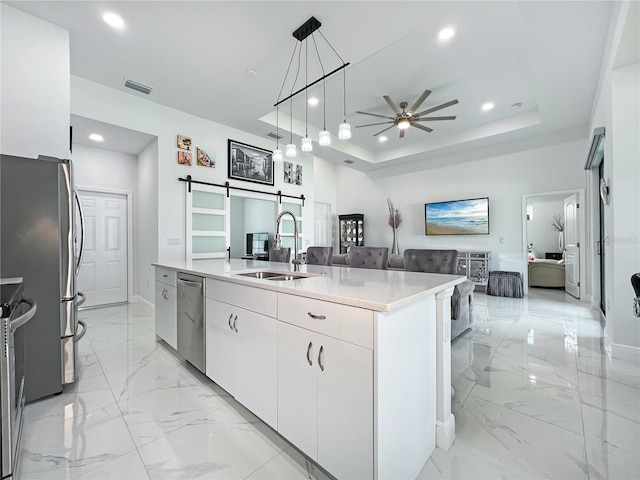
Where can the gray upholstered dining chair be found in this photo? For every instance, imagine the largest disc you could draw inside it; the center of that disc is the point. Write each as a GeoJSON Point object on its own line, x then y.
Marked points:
{"type": "Point", "coordinates": [445, 261]}
{"type": "Point", "coordinates": [280, 255]}
{"type": "Point", "coordinates": [368, 257]}
{"type": "Point", "coordinates": [319, 255]}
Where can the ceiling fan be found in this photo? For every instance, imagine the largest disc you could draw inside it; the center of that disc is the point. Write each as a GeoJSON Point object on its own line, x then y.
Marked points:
{"type": "Point", "coordinates": [408, 118]}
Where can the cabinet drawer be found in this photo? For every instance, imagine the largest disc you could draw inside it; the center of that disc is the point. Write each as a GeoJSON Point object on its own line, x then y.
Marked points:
{"type": "Point", "coordinates": [165, 275]}
{"type": "Point", "coordinates": [347, 323]}
{"type": "Point", "coordinates": [250, 298]}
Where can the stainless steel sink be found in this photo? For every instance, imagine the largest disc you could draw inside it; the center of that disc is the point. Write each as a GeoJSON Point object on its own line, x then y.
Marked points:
{"type": "Point", "coordinates": [262, 274]}
{"type": "Point", "coordinates": [275, 275]}
{"type": "Point", "coordinates": [288, 277]}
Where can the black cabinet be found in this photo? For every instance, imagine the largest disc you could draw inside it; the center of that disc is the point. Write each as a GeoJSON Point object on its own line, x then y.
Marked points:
{"type": "Point", "coordinates": [351, 231]}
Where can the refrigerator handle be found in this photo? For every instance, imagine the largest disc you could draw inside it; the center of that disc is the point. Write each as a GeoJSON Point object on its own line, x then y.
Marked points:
{"type": "Point", "coordinates": [81, 253]}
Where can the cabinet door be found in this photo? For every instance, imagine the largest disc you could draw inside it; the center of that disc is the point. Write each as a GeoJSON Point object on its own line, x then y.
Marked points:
{"type": "Point", "coordinates": [220, 338]}
{"type": "Point", "coordinates": [345, 408]}
{"type": "Point", "coordinates": [166, 313]}
{"type": "Point", "coordinates": [297, 387]}
{"type": "Point", "coordinates": [256, 354]}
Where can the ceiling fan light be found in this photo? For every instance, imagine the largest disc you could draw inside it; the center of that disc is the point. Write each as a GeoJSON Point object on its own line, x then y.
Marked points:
{"type": "Point", "coordinates": [324, 138]}
{"type": "Point", "coordinates": [344, 131]}
{"type": "Point", "coordinates": [307, 146]}
{"type": "Point", "coordinates": [290, 150]}
{"type": "Point", "coordinates": [404, 124]}
{"type": "Point", "coordinates": [277, 155]}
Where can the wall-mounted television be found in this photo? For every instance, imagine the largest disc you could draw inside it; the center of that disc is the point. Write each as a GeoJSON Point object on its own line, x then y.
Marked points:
{"type": "Point", "coordinates": [458, 217]}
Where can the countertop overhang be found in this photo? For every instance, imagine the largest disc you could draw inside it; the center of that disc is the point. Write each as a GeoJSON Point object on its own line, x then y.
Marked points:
{"type": "Point", "coordinates": [379, 290]}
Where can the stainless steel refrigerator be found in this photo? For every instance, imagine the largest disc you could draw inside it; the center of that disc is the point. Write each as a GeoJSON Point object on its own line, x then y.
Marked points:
{"type": "Point", "coordinates": [40, 242]}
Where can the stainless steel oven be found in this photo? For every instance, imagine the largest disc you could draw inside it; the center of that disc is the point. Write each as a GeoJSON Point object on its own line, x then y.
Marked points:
{"type": "Point", "coordinates": [16, 311]}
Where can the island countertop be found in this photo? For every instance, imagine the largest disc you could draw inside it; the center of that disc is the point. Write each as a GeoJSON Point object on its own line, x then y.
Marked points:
{"type": "Point", "coordinates": [378, 290]}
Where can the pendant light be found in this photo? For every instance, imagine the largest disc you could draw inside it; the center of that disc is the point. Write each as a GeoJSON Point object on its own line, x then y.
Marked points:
{"type": "Point", "coordinates": [307, 146]}
{"type": "Point", "coordinates": [344, 131]}
{"type": "Point", "coordinates": [324, 138]}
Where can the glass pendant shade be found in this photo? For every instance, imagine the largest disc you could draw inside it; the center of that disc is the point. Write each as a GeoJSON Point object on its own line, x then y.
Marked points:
{"type": "Point", "coordinates": [344, 131]}
{"type": "Point", "coordinates": [404, 124]}
{"type": "Point", "coordinates": [290, 150]}
{"type": "Point", "coordinates": [307, 146]}
{"type": "Point", "coordinates": [277, 155]}
{"type": "Point", "coordinates": [324, 138]}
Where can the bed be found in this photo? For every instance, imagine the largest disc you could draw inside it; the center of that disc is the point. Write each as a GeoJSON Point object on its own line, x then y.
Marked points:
{"type": "Point", "coordinates": [546, 273]}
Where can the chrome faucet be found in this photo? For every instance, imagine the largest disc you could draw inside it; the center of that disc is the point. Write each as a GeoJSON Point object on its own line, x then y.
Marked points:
{"type": "Point", "coordinates": [278, 243]}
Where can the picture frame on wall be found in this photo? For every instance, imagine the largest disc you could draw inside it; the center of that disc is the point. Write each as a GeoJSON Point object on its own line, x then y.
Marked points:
{"type": "Point", "coordinates": [249, 163]}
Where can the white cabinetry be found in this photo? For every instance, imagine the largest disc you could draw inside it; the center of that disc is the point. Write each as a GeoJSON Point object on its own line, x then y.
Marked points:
{"type": "Point", "coordinates": [242, 346]}
{"type": "Point", "coordinates": [325, 383]}
{"type": "Point", "coordinates": [166, 306]}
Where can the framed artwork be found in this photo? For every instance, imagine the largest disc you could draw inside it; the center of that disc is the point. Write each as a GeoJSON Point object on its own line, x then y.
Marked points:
{"type": "Point", "coordinates": [184, 158]}
{"type": "Point", "coordinates": [249, 163]}
{"type": "Point", "coordinates": [184, 142]}
{"type": "Point", "coordinates": [292, 173]}
{"type": "Point", "coordinates": [204, 159]}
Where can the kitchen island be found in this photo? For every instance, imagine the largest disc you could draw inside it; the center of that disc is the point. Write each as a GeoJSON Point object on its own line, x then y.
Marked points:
{"type": "Point", "coordinates": [352, 366]}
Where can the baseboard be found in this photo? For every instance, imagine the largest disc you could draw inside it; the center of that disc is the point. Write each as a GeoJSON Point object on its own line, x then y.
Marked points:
{"type": "Point", "coordinates": [144, 301]}
{"type": "Point", "coordinates": [445, 432]}
{"type": "Point", "coordinates": [626, 352]}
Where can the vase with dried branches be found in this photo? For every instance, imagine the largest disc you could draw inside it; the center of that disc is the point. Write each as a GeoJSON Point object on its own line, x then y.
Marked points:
{"type": "Point", "coordinates": [557, 224]}
{"type": "Point", "coordinates": [394, 222]}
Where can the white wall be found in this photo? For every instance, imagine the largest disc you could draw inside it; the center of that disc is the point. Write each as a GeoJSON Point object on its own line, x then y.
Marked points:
{"type": "Point", "coordinates": [146, 223]}
{"type": "Point", "coordinates": [34, 86]}
{"type": "Point", "coordinates": [539, 231]}
{"type": "Point", "coordinates": [503, 179]}
{"type": "Point", "coordinates": [98, 102]}
{"type": "Point", "coordinates": [625, 202]}
{"type": "Point", "coordinates": [617, 108]}
{"type": "Point", "coordinates": [104, 169]}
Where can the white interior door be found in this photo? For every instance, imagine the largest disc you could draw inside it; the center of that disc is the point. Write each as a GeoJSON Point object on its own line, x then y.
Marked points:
{"type": "Point", "coordinates": [572, 246]}
{"type": "Point", "coordinates": [103, 272]}
{"type": "Point", "coordinates": [322, 224]}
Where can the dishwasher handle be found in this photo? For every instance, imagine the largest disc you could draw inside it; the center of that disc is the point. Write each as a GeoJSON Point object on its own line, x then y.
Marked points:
{"type": "Point", "coordinates": [190, 283]}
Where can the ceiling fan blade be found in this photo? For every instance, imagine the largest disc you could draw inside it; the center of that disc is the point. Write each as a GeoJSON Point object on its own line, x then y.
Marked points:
{"type": "Point", "coordinates": [435, 109]}
{"type": "Point", "coordinates": [371, 124]}
{"type": "Point", "coordinates": [381, 131]}
{"type": "Point", "coordinates": [422, 127]}
{"type": "Point", "coordinates": [431, 119]}
{"type": "Point", "coordinates": [376, 115]}
{"type": "Point", "coordinates": [402, 133]}
{"type": "Point", "coordinates": [393, 106]}
{"type": "Point", "coordinates": [419, 101]}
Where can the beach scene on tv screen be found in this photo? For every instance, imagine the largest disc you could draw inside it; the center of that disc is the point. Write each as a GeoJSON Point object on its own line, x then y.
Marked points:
{"type": "Point", "coordinates": [463, 217]}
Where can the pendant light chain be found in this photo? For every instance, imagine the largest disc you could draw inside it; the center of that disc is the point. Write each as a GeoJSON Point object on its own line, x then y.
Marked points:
{"type": "Point", "coordinates": [291, 147]}
{"type": "Point", "coordinates": [324, 138]}
{"type": "Point", "coordinates": [277, 153]}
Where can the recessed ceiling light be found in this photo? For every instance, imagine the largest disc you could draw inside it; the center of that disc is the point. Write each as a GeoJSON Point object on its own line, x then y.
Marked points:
{"type": "Point", "coordinates": [251, 73]}
{"type": "Point", "coordinates": [313, 101]}
{"type": "Point", "coordinates": [446, 33]}
{"type": "Point", "coordinates": [96, 137]}
{"type": "Point", "coordinates": [114, 20]}
{"type": "Point", "coordinates": [383, 138]}
{"type": "Point", "coordinates": [516, 105]}
{"type": "Point", "coordinates": [487, 106]}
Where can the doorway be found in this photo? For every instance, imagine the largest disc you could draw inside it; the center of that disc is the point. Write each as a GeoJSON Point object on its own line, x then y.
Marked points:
{"type": "Point", "coordinates": [104, 271]}
{"type": "Point", "coordinates": [552, 228]}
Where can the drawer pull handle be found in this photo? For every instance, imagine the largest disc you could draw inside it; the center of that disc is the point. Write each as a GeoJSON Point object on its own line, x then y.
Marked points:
{"type": "Point", "coordinates": [165, 294]}
{"type": "Point", "coordinates": [320, 358]}
{"type": "Point", "coordinates": [235, 320]}
{"type": "Point", "coordinates": [230, 317]}
{"type": "Point", "coordinates": [317, 317]}
{"type": "Point", "coordinates": [308, 353]}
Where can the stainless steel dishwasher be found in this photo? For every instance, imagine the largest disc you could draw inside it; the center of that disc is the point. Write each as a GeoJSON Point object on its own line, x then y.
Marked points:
{"type": "Point", "coordinates": [191, 338]}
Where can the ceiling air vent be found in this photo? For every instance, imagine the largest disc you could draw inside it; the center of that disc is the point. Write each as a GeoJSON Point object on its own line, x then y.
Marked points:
{"type": "Point", "coordinates": [138, 87]}
{"type": "Point", "coordinates": [274, 135]}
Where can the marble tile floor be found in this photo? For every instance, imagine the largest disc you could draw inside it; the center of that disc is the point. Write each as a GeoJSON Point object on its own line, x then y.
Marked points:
{"type": "Point", "coordinates": [536, 397]}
